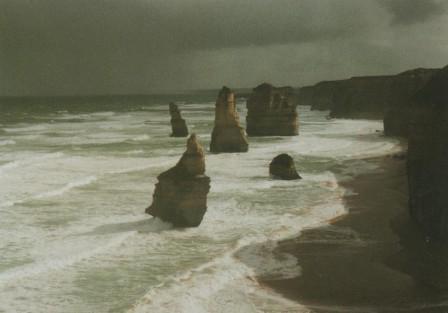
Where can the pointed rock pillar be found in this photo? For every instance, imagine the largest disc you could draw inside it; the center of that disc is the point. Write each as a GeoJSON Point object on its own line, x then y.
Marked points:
{"type": "Point", "coordinates": [178, 124]}
{"type": "Point", "coordinates": [227, 135]}
{"type": "Point", "coordinates": [180, 196]}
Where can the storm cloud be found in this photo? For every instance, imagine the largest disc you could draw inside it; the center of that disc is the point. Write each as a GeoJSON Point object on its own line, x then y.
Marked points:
{"type": "Point", "coordinates": [133, 46]}
{"type": "Point", "coordinates": [416, 11]}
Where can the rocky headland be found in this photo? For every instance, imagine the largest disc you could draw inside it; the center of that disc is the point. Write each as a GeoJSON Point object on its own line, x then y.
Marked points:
{"type": "Point", "coordinates": [367, 96]}
{"type": "Point", "coordinates": [227, 134]}
{"type": "Point", "coordinates": [414, 105]}
{"type": "Point", "coordinates": [180, 196]}
{"type": "Point", "coordinates": [396, 118]}
{"type": "Point", "coordinates": [272, 111]}
{"type": "Point", "coordinates": [178, 124]}
{"type": "Point", "coordinates": [320, 96]}
{"type": "Point", "coordinates": [427, 162]}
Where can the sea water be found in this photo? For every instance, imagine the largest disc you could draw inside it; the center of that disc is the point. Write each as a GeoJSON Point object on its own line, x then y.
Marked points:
{"type": "Point", "coordinates": [74, 184]}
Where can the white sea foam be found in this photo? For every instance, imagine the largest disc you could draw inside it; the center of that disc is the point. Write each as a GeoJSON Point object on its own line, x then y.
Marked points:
{"type": "Point", "coordinates": [160, 164]}
{"type": "Point", "coordinates": [141, 138]}
{"type": "Point", "coordinates": [29, 160]}
{"type": "Point", "coordinates": [57, 192]}
{"type": "Point", "coordinates": [60, 259]}
{"type": "Point", "coordinates": [138, 151]}
{"type": "Point", "coordinates": [228, 279]}
{"type": "Point", "coordinates": [7, 142]}
{"type": "Point", "coordinates": [267, 264]}
{"type": "Point", "coordinates": [8, 166]}
{"type": "Point", "coordinates": [38, 177]}
{"type": "Point", "coordinates": [52, 193]}
{"type": "Point", "coordinates": [105, 114]}
{"type": "Point", "coordinates": [212, 268]}
{"type": "Point", "coordinates": [27, 128]}
{"type": "Point", "coordinates": [203, 289]}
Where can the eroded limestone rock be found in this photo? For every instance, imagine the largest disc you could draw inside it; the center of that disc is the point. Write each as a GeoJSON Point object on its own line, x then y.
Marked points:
{"type": "Point", "coordinates": [180, 196]}
{"type": "Point", "coordinates": [272, 111]}
{"type": "Point", "coordinates": [227, 135]}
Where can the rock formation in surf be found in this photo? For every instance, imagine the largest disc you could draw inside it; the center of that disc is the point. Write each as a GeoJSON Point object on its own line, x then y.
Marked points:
{"type": "Point", "coordinates": [227, 135]}
{"type": "Point", "coordinates": [282, 167]}
{"type": "Point", "coordinates": [180, 196]}
{"type": "Point", "coordinates": [272, 111]}
{"type": "Point", "coordinates": [178, 125]}
{"type": "Point", "coordinates": [366, 96]}
{"type": "Point", "coordinates": [427, 160]}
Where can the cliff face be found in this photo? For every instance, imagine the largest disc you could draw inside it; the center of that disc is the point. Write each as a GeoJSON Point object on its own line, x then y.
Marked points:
{"type": "Point", "coordinates": [178, 125]}
{"type": "Point", "coordinates": [227, 135]}
{"type": "Point", "coordinates": [428, 157]}
{"type": "Point", "coordinates": [180, 196]}
{"type": "Point", "coordinates": [364, 97]}
{"type": "Point", "coordinates": [320, 96]}
{"type": "Point", "coordinates": [406, 86]}
{"type": "Point", "coordinates": [272, 111]}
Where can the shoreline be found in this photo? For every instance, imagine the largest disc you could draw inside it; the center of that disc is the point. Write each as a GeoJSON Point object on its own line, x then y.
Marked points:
{"type": "Point", "coordinates": [372, 259]}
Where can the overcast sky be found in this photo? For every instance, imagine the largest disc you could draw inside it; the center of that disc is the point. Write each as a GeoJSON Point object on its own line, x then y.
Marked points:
{"type": "Point", "coordinates": [69, 47]}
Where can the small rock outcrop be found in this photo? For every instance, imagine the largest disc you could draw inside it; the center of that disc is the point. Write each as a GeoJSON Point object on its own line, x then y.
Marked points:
{"type": "Point", "coordinates": [282, 167]}
{"type": "Point", "coordinates": [227, 135]}
{"type": "Point", "coordinates": [427, 160]}
{"type": "Point", "coordinates": [272, 111]}
{"type": "Point", "coordinates": [180, 196]}
{"type": "Point", "coordinates": [178, 125]}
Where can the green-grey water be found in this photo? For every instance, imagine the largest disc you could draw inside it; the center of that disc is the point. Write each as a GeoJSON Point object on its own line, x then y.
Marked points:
{"type": "Point", "coordinates": [76, 177]}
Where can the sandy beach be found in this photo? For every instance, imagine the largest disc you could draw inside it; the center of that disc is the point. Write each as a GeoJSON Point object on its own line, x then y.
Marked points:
{"type": "Point", "coordinates": [363, 261]}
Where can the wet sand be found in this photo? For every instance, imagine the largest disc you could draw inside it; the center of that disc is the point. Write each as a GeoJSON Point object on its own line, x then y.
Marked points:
{"type": "Point", "coordinates": [371, 260]}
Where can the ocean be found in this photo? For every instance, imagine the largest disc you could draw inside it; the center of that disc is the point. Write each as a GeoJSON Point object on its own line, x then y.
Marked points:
{"type": "Point", "coordinates": [75, 179]}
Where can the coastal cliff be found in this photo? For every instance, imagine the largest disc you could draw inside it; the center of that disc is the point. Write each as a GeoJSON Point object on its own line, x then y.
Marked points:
{"type": "Point", "coordinates": [272, 111]}
{"type": "Point", "coordinates": [321, 96]}
{"type": "Point", "coordinates": [414, 104]}
{"type": "Point", "coordinates": [227, 134]}
{"type": "Point", "coordinates": [366, 96]}
{"type": "Point", "coordinates": [428, 157]}
{"type": "Point", "coordinates": [180, 196]}
{"type": "Point", "coordinates": [397, 116]}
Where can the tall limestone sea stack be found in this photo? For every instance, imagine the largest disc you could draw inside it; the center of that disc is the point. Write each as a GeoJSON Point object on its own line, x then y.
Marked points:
{"type": "Point", "coordinates": [180, 196]}
{"type": "Point", "coordinates": [428, 157]}
{"type": "Point", "coordinates": [227, 135]}
{"type": "Point", "coordinates": [272, 111]}
{"type": "Point", "coordinates": [178, 125]}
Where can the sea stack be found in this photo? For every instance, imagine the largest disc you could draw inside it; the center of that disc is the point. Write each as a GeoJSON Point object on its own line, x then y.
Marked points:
{"type": "Point", "coordinates": [427, 160]}
{"type": "Point", "coordinates": [272, 111]}
{"type": "Point", "coordinates": [227, 135]}
{"type": "Point", "coordinates": [178, 125]}
{"type": "Point", "coordinates": [180, 196]}
{"type": "Point", "coordinates": [282, 167]}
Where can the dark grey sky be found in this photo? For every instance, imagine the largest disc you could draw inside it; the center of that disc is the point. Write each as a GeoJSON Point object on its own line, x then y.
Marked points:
{"type": "Point", "coordinates": [50, 47]}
